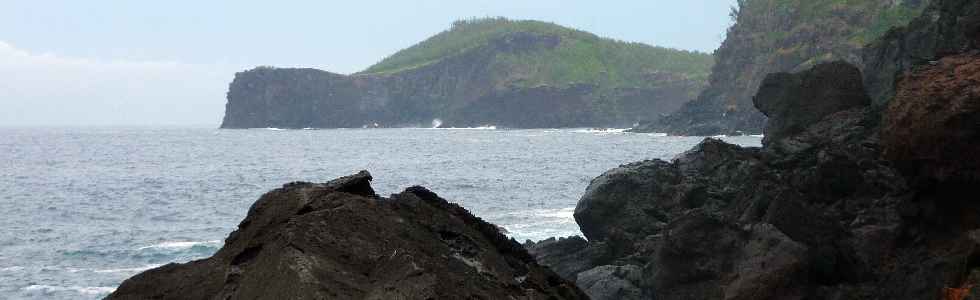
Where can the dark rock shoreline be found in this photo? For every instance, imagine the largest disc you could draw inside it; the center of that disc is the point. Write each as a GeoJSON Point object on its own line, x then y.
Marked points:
{"type": "Point", "coordinates": [863, 189]}
{"type": "Point", "coordinates": [854, 195]}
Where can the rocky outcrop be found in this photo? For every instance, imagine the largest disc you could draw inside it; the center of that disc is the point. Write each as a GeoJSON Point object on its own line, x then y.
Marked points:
{"type": "Point", "coordinates": [934, 121]}
{"type": "Point", "coordinates": [818, 214]}
{"type": "Point", "coordinates": [849, 197]}
{"type": "Point", "coordinates": [778, 36]}
{"type": "Point", "coordinates": [948, 28]}
{"type": "Point", "coordinates": [793, 102]}
{"type": "Point", "coordinates": [339, 240]}
{"type": "Point", "coordinates": [925, 77]}
{"type": "Point", "coordinates": [519, 79]}
{"type": "Point", "coordinates": [589, 265]}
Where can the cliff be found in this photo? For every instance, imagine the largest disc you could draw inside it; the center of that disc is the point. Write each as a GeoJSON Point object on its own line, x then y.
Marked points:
{"type": "Point", "coordinates": [338, 240]}
{"type": "Point", "coordinates": [859, 191]}
{"type": "Point", "coordinates": [779, 36]}
{"type": "Point", "coordinates": [482, 72]}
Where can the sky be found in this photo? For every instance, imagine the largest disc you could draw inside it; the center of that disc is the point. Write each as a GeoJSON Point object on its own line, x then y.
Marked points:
{"type": "Point", "coordinates": [165, 63]}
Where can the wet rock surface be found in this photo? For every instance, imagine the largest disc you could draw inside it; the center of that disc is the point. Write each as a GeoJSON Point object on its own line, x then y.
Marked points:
{"type": "Point", "coordinates": [339, 240]}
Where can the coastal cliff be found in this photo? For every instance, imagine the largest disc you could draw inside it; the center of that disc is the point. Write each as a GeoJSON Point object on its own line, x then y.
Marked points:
{"type": "Point", "coordinates": [779, 36]}
{"type": "Point", "coordinates": [519, 74]}
{"type": "Point", "coordinates": [858, 192]}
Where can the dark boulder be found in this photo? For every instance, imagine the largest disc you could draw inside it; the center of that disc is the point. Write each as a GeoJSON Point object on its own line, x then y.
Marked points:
{"type": "Point", "coordinates": [339, 240]}
{"type": "Point", "coordinates": [570, 256]}
{"type": "Point", "coordinates": [793, 102]}
{"type": "Point", "coordinates": [706, 256]}
{"type": "Point", "coordinates": [610, 206]}
{"type": "Point", "coordinates": [634, 200]}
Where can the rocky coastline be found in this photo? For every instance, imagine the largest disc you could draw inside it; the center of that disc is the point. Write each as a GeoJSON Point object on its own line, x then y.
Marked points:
{"type": "Point", "coordinates": [863, 189]}
{"type": "Point", "coordinates": [860, 191]}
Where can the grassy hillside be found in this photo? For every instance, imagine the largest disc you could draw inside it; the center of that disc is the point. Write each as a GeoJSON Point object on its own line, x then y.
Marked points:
{"type": "Point", "coordinates": [580, 57]}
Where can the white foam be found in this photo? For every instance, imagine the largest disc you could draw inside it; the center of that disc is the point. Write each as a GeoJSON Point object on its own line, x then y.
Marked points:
{"type": "Point", "coordinates": [540, 224]}
{"type": "Point", "coordinates": [12, 269]}
{"type": "Point", "coordinates": [273, 129]}
{"type": "Point", "coordinates": [488, 127]}
{"type": "Point", "coordinates": [758, 135]}
{"type": "Point", "coordinates": [542, 217]}
{"type": "Point", "coordinates": [602, 130]}
{"type": "Point", "coordinates": [177, 246]}
{"type": "Point", "coordinates": [87, 290]}
{"type": "Point", "coordinates": [537, 233]}
{"type": "Point", "coordinates": [657, 134]}
{"type": "Point", "coordinates": [127, 270]}
{"type": "Point", "coordinates": [561, 213]}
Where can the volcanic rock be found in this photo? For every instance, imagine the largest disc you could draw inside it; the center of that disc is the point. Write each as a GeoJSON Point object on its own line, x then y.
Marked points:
{"type": "Point", "coordinates": [339, 240]}
{"type": "Point", "coordinates": [793, 102]}
{"type": "Point", "coordinates": [934, 121]}
{"type": "Point", "coordinates": [820, 212]}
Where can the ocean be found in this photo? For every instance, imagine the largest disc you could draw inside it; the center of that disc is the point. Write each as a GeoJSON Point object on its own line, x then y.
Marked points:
{"type": "Point", "coordinates": [86, 208]}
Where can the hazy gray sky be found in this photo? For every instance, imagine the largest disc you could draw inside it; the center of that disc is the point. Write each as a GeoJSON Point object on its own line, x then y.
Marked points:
{"type": "Point", "coordinates": [170, 62]}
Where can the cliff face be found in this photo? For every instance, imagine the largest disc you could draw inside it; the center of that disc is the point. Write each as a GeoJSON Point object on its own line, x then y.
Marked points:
{"type": "Point", "coordinates": [779, 36]}
{"type": "Point", "coordinates": [854, 195]}
{"type": "Point", "coordinates": [339, 240]}
{"type": "Point", "coordinates": [540, 76]}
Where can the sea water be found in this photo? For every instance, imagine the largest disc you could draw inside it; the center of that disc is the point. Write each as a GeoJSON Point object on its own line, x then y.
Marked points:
{"type": "Point", "coordinates": [85, 208]}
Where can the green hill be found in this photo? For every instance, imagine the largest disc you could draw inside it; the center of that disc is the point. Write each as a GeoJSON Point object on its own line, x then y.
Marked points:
{"type": "Point", "coordinates": [580, 57]}
{"type": "Point", "coordinates": [493, 71]}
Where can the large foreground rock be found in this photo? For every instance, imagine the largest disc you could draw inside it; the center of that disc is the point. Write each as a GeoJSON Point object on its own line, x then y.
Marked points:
{"type": "Point", "coordinates": [340, 241]}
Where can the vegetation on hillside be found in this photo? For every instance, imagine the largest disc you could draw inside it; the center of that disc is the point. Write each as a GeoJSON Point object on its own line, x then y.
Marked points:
{"type": "Point", "coordinates": [580, 57]}
{"type": "Point", "coordinates": [781, 33]}
{"type": "Point", "coordinates": [770, 36]}
{"type": "Point", "coordinates": [878, 15]}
